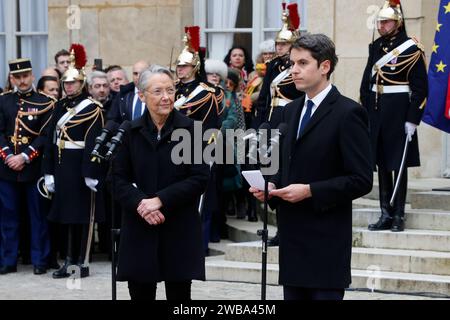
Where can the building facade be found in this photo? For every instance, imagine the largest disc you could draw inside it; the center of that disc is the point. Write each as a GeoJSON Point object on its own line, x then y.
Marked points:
{"type": "Point", "coordinates": [125, 31]}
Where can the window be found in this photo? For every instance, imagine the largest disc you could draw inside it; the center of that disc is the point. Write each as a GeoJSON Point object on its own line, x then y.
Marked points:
{"type": "Point", "coordinates": [242, 22]}
{"type": "Point", "coordinates": [23, 34]}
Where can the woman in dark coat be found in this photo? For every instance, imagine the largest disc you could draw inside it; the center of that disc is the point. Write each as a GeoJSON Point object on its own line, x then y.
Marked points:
{"type": "Point", "coordinates": [161, 237]}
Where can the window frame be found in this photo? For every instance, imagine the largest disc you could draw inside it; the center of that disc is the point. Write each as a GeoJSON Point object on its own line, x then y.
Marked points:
{"type": "Point", "coordinates": [11, 35]}
{"type": "Point", "coordinates": [258, 29]}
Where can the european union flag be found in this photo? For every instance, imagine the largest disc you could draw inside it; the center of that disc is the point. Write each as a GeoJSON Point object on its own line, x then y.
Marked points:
{"type": "Point", "coordinates": [437, 113]}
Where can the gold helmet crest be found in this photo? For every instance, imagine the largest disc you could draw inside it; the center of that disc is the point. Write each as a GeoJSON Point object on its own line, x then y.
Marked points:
{"type": "Point", "coordinates": [291, 22]}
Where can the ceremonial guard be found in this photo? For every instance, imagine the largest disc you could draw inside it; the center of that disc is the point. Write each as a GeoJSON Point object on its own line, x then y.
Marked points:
{"type": "Point", "coordinates": [24, 114]}
{"type": "Point", "coordinates": [200, 101]}
{"type": "Point", "coordinates": [278, 88]}
{"type": "Point", "coordinates": [70, 172]}
{"type": "Point", "coordinates": [394, 90]}
{"type": "Point", "coordinates": [195, 97]}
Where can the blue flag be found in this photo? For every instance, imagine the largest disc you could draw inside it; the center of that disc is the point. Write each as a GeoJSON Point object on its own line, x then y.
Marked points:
{"type": "Point", "coordinates": [437, 112]}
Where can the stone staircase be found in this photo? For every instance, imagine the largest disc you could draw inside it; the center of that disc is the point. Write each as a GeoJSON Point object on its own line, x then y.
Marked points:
{"type": "Point", "coordinates": [416, 261]}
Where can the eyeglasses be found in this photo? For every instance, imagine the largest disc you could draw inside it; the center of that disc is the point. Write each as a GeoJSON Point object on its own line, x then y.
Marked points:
{"type": "Point", "coordinates": [160, 92]}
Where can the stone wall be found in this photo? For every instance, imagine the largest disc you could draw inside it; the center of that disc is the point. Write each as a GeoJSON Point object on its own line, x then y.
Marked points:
{"type": "Point", "coordinates": [122, 31]}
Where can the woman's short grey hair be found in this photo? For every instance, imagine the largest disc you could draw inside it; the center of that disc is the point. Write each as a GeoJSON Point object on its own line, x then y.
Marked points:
{"type": "Point", "coordinates": [147, 74]}
{"type": "Point", "coordinates": [96, 75]}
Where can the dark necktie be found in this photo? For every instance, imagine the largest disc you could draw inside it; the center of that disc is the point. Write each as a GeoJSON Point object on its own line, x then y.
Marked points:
{"type": "Point", "coordinates": [137, 109]}
{"type": "Point", "coordinates": [306, 117]}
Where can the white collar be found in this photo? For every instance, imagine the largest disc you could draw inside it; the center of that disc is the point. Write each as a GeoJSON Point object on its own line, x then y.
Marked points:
{"type": "Point", "coordinates": [318, 99]}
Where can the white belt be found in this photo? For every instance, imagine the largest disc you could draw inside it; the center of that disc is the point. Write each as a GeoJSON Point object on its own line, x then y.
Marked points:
{"type": "Point", "coordinates": [279, 102]}
{"type": "Point", "coordinates": [391, 89]}
{"type": "Point", "coordinates": [75, 145]}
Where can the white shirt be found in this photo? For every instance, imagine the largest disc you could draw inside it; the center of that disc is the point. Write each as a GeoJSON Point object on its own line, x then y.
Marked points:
{"type": "Point", "coordinates": [317, 101]}
{"type": "Point", "coordinates": [136, 96]}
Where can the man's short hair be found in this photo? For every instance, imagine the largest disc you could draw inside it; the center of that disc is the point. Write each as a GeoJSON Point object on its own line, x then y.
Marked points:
{"type": "Point", "coordinates": [321, 47]}
{"type": "Point", "coordinates": [61, 53]}
{"type": "Point", "coordinates": [113, 67]}
{"type": "Point", "coordinates": [95, 75]}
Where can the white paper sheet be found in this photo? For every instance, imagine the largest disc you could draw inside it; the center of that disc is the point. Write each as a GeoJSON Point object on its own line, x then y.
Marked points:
{"type": "Point", "coordinates": [254, 178]}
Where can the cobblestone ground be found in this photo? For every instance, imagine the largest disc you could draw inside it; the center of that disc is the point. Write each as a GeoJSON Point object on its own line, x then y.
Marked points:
{"type": "Point", "coordinates": [23, 285]}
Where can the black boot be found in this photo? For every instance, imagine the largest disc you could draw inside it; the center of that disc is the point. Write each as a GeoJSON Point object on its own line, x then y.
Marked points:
{"type": "Point", "coordinates": [398, 225]}
{"type": "Point", "coordinates": [251, 210]}
{"type": "Point", "coordinates": [62, 272]}
{"type": "Point", "coordinates": [386, 184]}
{"type": "Point", "coordinates": [241, 211]}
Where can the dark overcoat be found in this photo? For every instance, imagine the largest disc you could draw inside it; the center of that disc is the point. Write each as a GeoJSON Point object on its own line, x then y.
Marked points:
{"type": "Point", "coordinates": [333, 156]}
{"type": "Point", "coordinates": [144, 169]}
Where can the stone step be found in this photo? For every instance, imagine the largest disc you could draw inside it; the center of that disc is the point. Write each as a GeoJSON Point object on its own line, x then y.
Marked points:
{"type": "Point", "coordinates": [245, 231]}
{"type": "Point", "coordinates": [414, 186]}
{"type": "Point", "coordinates": [415, 219]}
{"type": "Point", "coordinates": [413, 261]}
{"type": "Point", "coordinates": [410, 239]}
{"type": "Point", "coordinates": [219, 269]}
{"type": "Point", "coordinates": [438, 200]}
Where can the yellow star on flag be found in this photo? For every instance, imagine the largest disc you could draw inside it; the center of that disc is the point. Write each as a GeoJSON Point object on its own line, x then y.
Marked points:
{"type": "Point", "coordinates": [447, 8]}
{"type": "Point", "coordinates": [441, 67]}
{"type": "Point", "coordinates": [435, 47]}
{"type": "Point", "coordinates": [438, 28]}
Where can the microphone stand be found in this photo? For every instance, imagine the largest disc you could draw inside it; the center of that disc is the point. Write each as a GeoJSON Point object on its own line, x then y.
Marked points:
{"type": "Point", "coordinates": [115, 232]}
{"type": "Point", "coordinates": [264, 233]}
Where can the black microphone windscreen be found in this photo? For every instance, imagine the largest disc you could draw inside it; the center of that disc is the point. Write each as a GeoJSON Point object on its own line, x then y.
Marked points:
{"type": "Point", "coordinates": [111, 126]}
{"type": "Point", "coordinates": [264, 126]}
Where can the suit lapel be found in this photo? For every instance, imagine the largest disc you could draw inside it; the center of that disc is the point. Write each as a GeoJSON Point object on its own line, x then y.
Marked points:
{"type": "Point", "coordinates": [322, 111]}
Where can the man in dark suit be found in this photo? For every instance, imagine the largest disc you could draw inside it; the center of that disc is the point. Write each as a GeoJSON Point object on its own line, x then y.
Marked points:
{"type": "Point", "coordinates": [325, 165]}
{"type": "Point", "coordinates": [126, 105]}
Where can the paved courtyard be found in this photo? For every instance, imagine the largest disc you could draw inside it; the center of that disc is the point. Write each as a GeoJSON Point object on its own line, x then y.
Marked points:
{"type": "Point", "coordinates": [23, 285]}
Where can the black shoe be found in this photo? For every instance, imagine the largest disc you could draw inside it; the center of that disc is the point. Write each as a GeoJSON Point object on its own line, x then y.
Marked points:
{"type": "Point", "coordinates": [398, 225]}
{"type": "Point", "coordinates": [8, 269]}
{"type": "Point", "coordinates": [274, 242]}
{"type": "Point", "coordinates": [84, 271]}
{"type": "Point", "coordinates": [62, 272]}
{"type": "Point", "coordinates": [252, 218]}
{"type": "Point", "coordinates": [384, 223]}
{"type": "Point", "coordinates": [39, 270]}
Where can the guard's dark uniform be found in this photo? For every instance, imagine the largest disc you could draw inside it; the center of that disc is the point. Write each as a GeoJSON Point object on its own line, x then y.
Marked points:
{"type": "Point", "coordinates": [394, 92]}
{"type": "Point", "coordinates": [23, 117]}
{"type": "Point", "coordinates": [68, 158]}
{"type": "Point", "coordinates": [204, 106]}
{"type": "Point", "coordinates": [277, 91]}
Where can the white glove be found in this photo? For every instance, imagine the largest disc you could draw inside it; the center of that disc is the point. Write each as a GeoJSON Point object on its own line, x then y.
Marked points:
{"type": "Point", "coordinates": [91, 183]}
{"type": "Point", "coordinates": [410, 129]}
{"type": "Point", "coordinates": [49, 181]}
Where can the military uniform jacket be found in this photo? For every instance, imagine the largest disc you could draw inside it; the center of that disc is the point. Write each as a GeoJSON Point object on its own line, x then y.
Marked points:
{"type": "Point", "coordinates": [389, 109]}
{"type": "Point", "coordinates": [274, 95]}
{"type": "Point", "coordinates": [67, 158]}
{"type": "Point", "coordinates": [203, 102]}
{"type": "Point", "coordinates": [23, 118]}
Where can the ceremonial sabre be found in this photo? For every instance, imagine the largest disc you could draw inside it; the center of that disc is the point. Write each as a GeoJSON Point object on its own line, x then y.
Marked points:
{"type": "Point", "coordinates": [400, 173]}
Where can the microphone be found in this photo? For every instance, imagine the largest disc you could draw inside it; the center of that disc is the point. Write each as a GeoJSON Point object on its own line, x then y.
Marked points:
{"type": "Point", "coordinates": [110, 127]}
{"type": "Point", "coordinates": [264, 128]}
{"type": "Point", "coordinates": [117, 139]}
{"type": "Point", "coordinates": [276, 141]}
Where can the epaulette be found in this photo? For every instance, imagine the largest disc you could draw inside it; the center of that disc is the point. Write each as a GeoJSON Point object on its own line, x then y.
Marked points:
{"type": "Point", "coordinates": [5, 93]}
{"type": "Point", "coordinates": [96, 102]}
{"type": "Point", "coordinates": [207, 87]}
{"type": "Point", "coordinates": [48, 96]}
{"type": "Point", "coordinates": [418, 44]}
